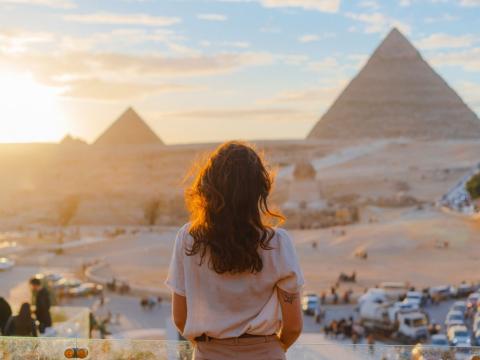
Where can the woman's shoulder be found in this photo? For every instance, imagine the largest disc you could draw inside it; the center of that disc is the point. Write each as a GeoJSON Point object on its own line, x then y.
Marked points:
{"type": "Point", "coordinates": [281, 239]}
{"type": "Point", "coordinates": [183, 235]}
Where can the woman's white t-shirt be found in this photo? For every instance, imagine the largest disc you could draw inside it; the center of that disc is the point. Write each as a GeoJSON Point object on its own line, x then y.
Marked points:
{"type": "Point", "coordinates": [226, 305]}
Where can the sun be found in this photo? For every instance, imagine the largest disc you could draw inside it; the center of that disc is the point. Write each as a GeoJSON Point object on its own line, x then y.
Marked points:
{"type": "Point", "coordinates": [30, 111]}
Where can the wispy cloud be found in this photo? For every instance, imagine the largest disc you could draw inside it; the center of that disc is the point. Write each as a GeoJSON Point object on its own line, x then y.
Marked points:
{"type": "Point", "coordinates": [104, 90]}
{"type": "Point", "coordinates": [16, 41]}
{"type": "Point", "coordinates": [329, 6]}
{"type": "Point", "coordinates": [212, 17]}
{"type": "Point", "coordinates": [377, 22]}
{"type": "Point", "coordinates": [308, 38]}
{"type": "Point", "coordinates": [470, 3]}
{"type": "Point", "coordinates": [470, 92]}
{"type": "Point", "coordinates": [59, 4]}
{"type": "Point", "coordinates": [468, 59]}
{"type": "Point", "coordinates": [444, 17]}
{"type": "Point", "coordinates": [122, 19]}
{"type": "Point", "coordinates": [369, 4]}
{"type": "Point", "coordinates": [442, 41]}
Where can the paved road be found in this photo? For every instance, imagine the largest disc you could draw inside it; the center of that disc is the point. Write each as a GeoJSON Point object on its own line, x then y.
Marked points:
{"type": "Point", "coordinates": [132, 316]}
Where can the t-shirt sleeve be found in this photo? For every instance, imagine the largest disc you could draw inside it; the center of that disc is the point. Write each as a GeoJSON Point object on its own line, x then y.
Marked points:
{"type": "Point", "coordinates": [290, 274]}
{"type": "Point", "coordinates": [176, 273]}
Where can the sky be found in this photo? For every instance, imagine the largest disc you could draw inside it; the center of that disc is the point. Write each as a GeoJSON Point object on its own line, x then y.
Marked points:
{"type": "Point", "coordinates": [209, 70]}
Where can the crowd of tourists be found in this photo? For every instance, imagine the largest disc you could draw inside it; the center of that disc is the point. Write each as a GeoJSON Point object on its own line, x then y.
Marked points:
{"type": "Point", "coordinates": [27, 322]}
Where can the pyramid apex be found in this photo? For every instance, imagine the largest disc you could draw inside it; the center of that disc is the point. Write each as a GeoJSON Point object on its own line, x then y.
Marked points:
{"type": "Point", "coordinates": [128, 129]}
{"type": "Point", "coordinates": [397, 94]}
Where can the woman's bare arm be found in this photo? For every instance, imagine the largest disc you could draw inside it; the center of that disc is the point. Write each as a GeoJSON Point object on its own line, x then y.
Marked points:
{"type": "Point", "coordinates": [179, 311]}
{"type": "Point", "coordinates": [292, 320]}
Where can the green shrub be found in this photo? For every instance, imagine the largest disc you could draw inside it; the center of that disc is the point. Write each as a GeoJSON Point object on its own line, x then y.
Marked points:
{"type": "Point", "coordinates": [473, 186]}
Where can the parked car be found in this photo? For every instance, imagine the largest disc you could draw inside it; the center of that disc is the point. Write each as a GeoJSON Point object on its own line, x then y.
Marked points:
{"type": "Point", "coordinates": [85, 289]}
{"type": "Point", "coordinates": [454, 318]}
{"type": "Point", "coordinates": [476, 322]}
{"type": "Point", "coordinates": [374, 295]}
{"type": "Point", "coordinates": [460, 306]}
{"type": "Point", "coordinates": [476, 337]}
{"type": "Point", "coordinates": [6, 263]}
{"type": "Point", "coordinates": [458, 335]}
{"type": "Point", "coordinates": [416, 298]}
{"type": "Point", "coordinates": [395, 290]}
{"type": "Point", "coordinates": [63, 286]}
{"type": "Point", "coordinates": [310, 302]}
{"type": "Point", "coordinates": [464, 290]}
{"type": "Point", "coordinates": [50, 278]}
{"type": "Point", "coordinates": [438, 348]}
{"type": "Point", "coordinates": [473, 300]}
{"type": "Point", "coordinates": [441, 292]}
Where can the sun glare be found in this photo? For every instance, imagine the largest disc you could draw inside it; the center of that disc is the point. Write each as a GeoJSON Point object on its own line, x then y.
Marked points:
{"type": "Point", "coordinates": [31, 112]}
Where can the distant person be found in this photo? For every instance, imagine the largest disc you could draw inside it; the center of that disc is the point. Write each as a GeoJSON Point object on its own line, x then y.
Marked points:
{"type": "Point", "coordinates": [21, 325]}
{"type": "Point", "coordinates": [42, 304]}
{"type": "Point", "coordinates": [232, 274]}
{"type": "Point", "coordinates": [5, 313]}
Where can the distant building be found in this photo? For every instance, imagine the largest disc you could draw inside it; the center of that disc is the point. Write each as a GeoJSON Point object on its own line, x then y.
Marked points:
{"type": "Point", "coordinates": [397, 94]}
{"type": "Point", "coordinates": [128, 129]}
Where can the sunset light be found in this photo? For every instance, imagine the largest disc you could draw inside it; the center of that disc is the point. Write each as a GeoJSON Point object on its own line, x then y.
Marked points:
{"type": "Point", "coordinates": [31, 112]}
{"type": "Point", "coordinates": [240, 179]}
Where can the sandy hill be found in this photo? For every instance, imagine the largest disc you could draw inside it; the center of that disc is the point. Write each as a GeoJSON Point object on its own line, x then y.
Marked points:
{"type": "Point", "coordinates": [128, 129]}
{"type": "Point", "coordinates": [397, 94]}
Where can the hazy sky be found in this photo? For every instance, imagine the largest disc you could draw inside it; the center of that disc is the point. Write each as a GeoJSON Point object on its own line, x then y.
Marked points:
{"type": "Point", "coordinates": [207, 70]}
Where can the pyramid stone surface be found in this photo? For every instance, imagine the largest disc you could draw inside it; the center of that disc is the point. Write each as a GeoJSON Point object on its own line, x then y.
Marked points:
{"type": "Point", "coordinates": [128, 129]}
{"type": "Point", "coordinates": [397, 94]}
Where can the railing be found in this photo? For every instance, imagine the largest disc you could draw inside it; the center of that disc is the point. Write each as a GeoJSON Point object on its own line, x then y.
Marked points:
{"type": "Point", "coordinates": [12, 348]}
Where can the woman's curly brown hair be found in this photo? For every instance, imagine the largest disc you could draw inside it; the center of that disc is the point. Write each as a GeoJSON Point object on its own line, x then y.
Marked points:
{"type": "Point", "coordinates": [229, 210]}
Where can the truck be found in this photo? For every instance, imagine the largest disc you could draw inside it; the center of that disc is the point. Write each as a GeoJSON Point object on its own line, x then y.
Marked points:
{"type": "Point", "coordinates": [408, 326]}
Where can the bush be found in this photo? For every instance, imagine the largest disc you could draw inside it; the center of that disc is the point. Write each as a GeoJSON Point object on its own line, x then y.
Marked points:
{"type": "Point", "coordinates": [473, 186]}
{"type": "Point", "coordinates": [67, 209]}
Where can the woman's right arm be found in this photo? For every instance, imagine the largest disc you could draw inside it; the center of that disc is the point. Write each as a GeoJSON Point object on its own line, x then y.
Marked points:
{"type": "Point", "coordinates": [292, 319]}
{"type": "Point", "coordinates": [179, 311]}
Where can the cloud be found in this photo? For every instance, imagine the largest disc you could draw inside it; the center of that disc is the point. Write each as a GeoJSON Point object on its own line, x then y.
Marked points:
{"type": "Point", "coordinates": [369, 4]}
{"type": "Point", "coordinates": [327, 64]}
{"type": "Point", "coordinates": [307, 38]}
{"type": "Point", "coordinates": [377, 22]}
{"type": "Point", "coordinates": [212, 17]}
{"type": "Point", "coordinates": [329, 6]}
{"type": "Point", "coordinates": [16, 41]}
{"type": "Point", "coordinates": [269, 114]}
{"type": "Point", "coordinates": [122, 19]}
{"type": "Point", "coordinates": [405, 3]}
{"type": "Point", "coordinates": [99, 89]}
{"type": "Point", "coordinates": [441, 18]}
{"type": "Point", "coordinates": [320, 97]}
{"type": "Point", "coordinates": [470, 3]}
{"type": "Point", "coordinates": [58, 69]}
{"type": "Point", "coordinates": [59, 4]}
{"type": "Point", "coordinates": [468, 59]}
{"type": "Point", "coordinates": [470, 92]}
{"type": "Point", "coordinates": [441, 41]}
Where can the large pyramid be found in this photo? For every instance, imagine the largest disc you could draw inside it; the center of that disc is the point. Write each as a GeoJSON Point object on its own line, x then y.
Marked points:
{"type": "Point", "coordinates": [397, 94]}
{"type": "Point", "coordinates": [128, 129]}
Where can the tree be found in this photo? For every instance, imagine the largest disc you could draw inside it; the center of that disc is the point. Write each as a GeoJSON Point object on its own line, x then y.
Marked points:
{"type": "Point", "coordinates": [473, 186]}
{"type": "Point", "coordinates": [151, 211]}
{"type": "Point", "coordinates": [67, 209]}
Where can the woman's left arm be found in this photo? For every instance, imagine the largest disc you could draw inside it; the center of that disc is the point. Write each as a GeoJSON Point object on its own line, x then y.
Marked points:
{"type": "Point", "coordinates": [179, 311]}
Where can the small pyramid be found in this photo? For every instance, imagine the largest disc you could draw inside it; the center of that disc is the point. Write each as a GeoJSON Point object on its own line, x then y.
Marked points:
{"type": "Point", "coordinates": [69, 140]}
{"type": "Point", "coordinates": [128, 129]}
{"type": "Point", "coordinates": [397, 94]}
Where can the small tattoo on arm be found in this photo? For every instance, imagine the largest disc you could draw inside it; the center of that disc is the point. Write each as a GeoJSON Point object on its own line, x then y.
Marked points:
{"type": "Point", "coordinates": [289, 298]}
